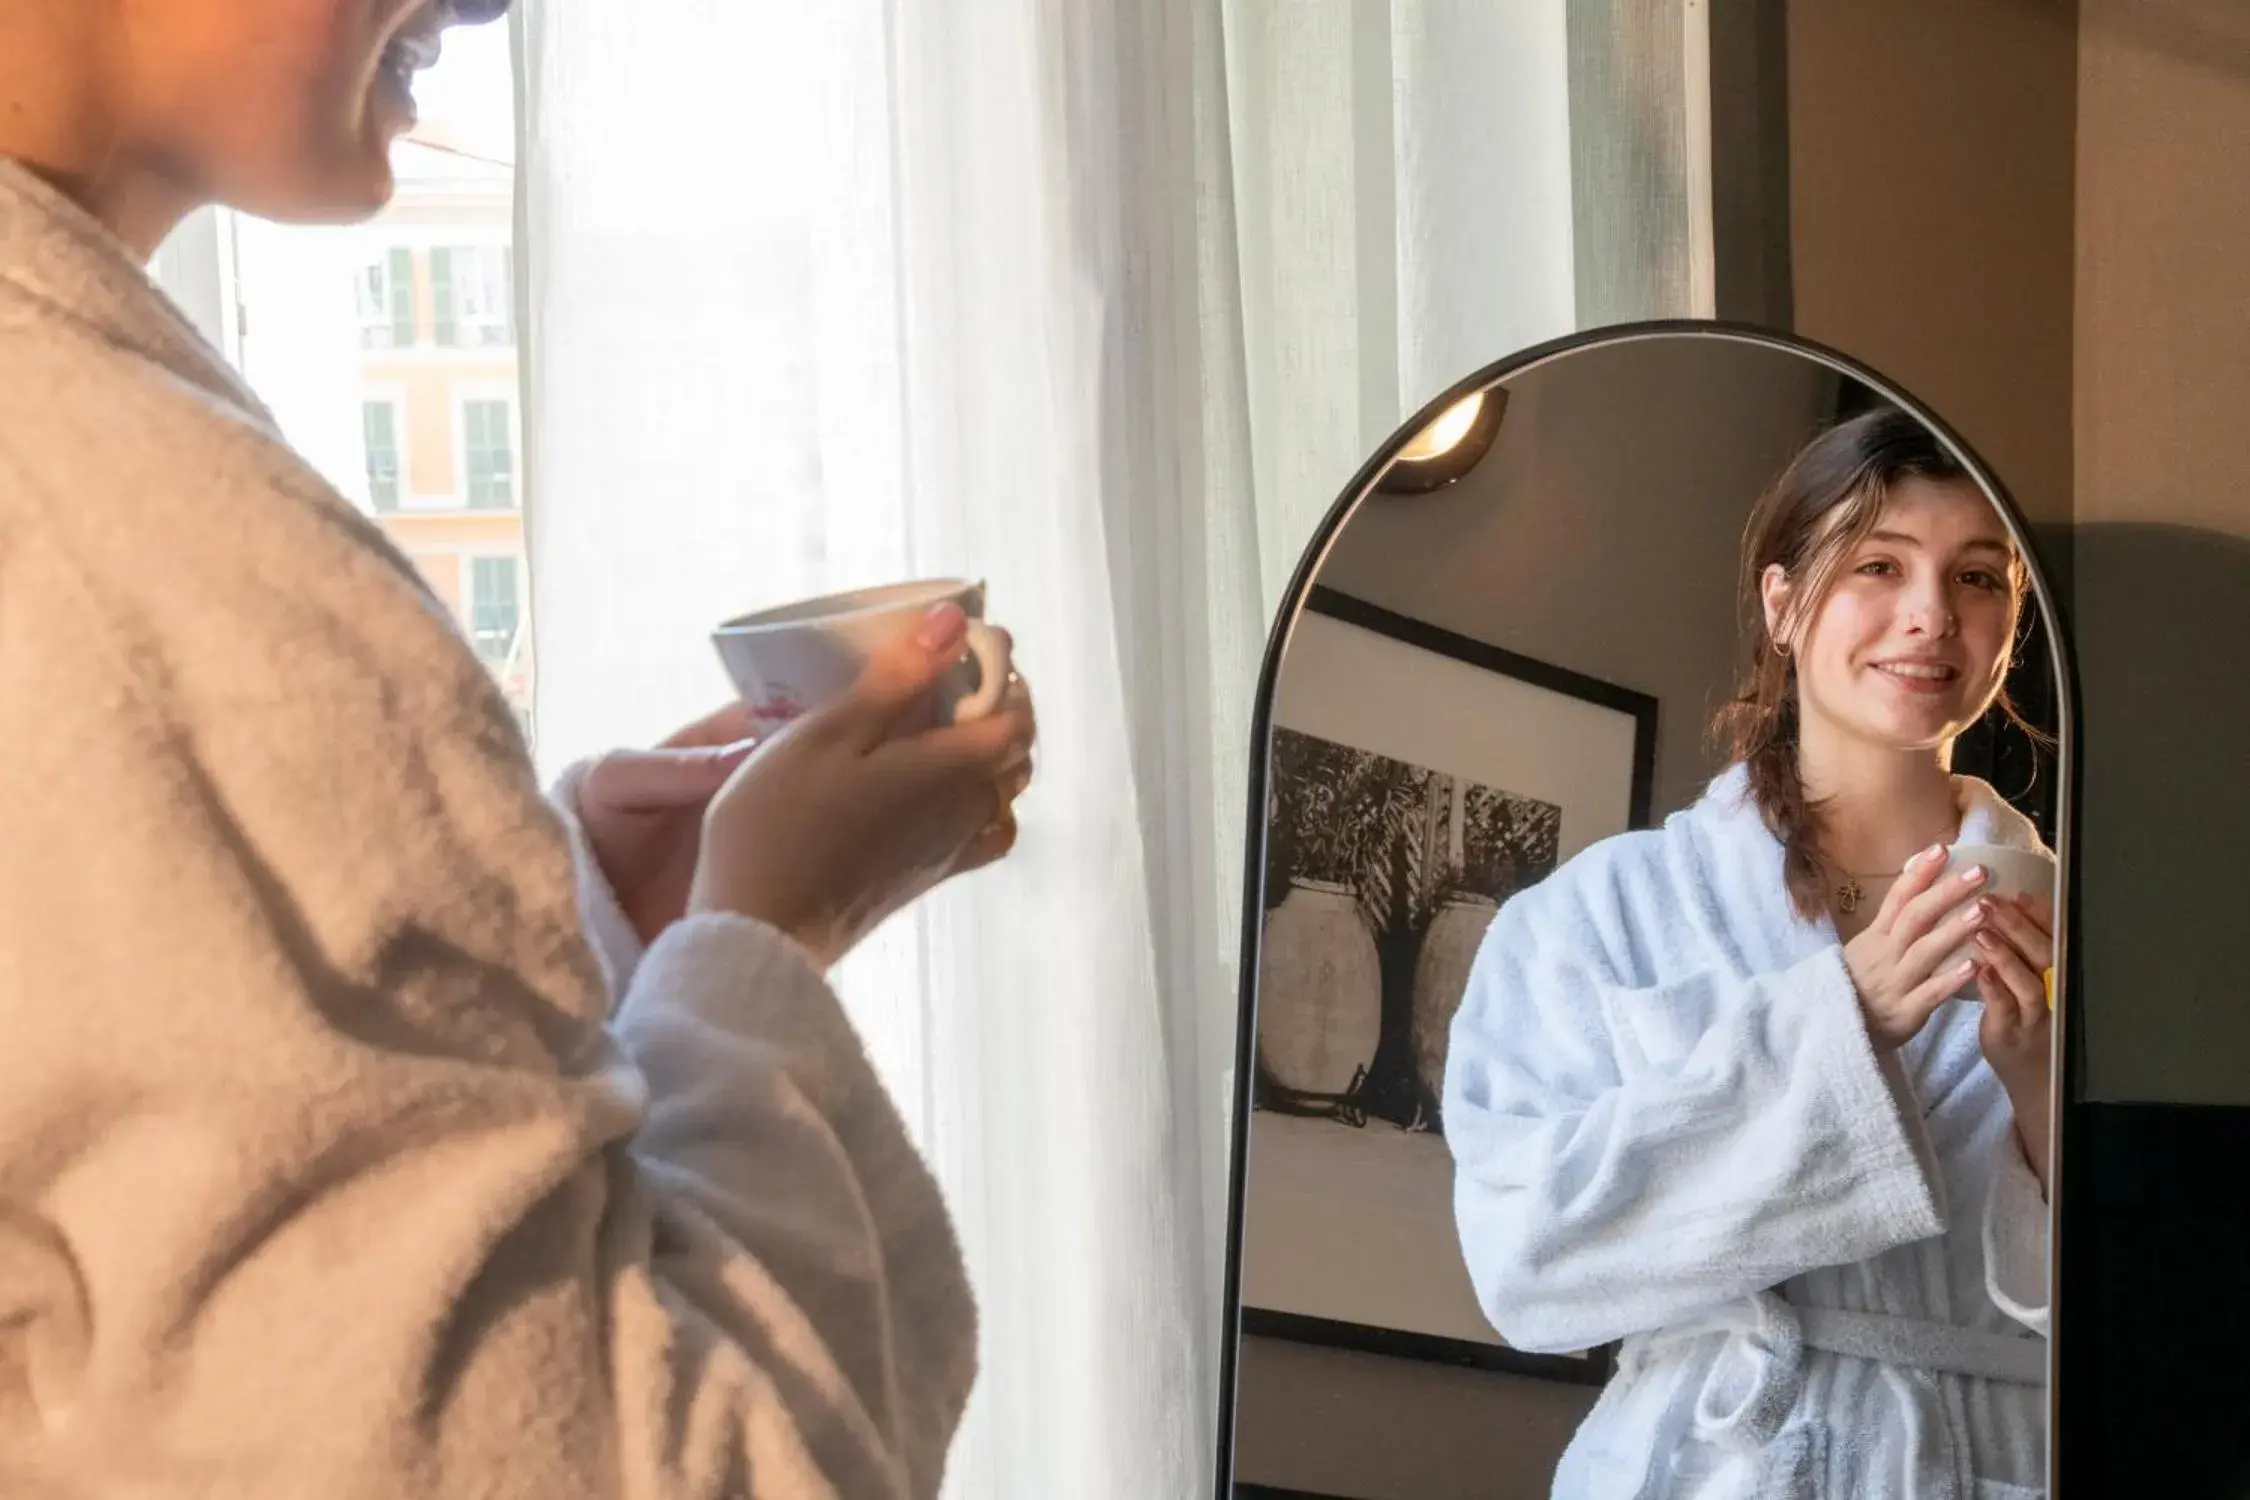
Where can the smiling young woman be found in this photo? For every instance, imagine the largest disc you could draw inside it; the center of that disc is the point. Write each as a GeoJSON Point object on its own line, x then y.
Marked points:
{"type": "Point", "coordinates": [1816, 1129]}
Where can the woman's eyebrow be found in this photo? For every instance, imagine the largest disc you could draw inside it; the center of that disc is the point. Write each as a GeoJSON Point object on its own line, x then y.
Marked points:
{"type": "Point", "coordinates": [1981, 544]}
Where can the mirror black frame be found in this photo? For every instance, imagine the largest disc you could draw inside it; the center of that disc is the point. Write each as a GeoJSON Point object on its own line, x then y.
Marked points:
{"type": "Point", "coordinates": [1367, 482]}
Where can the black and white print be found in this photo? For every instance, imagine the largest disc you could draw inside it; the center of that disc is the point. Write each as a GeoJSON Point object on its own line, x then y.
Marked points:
{"type": "Point", "coordinates": [1381, 877]}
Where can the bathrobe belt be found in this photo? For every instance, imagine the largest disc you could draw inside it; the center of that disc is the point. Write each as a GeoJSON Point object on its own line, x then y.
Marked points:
{"type": "Point", "coordinates": [1759, 1376]}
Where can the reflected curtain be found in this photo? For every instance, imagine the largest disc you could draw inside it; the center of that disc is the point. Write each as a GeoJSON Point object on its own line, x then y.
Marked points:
{"type": "Point", "coordinates": [1424, 186]}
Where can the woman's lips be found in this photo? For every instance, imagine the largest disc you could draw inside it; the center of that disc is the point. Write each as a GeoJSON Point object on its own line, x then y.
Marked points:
{"type": "Point", "coordinates": [394, 96]}
{"type": "Point", "coordinates": [1928, 679]}
{"type": "Point", "coordinates": [408, 54]}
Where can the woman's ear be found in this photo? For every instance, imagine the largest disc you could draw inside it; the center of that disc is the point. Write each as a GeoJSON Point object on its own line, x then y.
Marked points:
{"type": "Point", "coordinates": [1773, 591]}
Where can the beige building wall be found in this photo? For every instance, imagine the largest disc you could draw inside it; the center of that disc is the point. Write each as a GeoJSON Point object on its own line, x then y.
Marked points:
{"type": "Point", "coordinates": [447, 203]}
{"type": "Point", "coordinates": [443, 570]}
{"type": "Point", "coordinates": [429, 390]}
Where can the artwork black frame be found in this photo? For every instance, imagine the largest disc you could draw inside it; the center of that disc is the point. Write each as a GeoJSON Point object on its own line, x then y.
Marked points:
{"type": "Point", "coordinates": [2069, 1063]}
{"type": "Point", "coordinates": [1643, 712]}
{"type": "Point", "coordinates": [1640, 707]}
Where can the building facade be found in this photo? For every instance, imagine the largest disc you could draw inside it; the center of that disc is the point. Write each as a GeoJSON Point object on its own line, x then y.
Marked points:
{"type": "Point", "coordinates": [388, 354]}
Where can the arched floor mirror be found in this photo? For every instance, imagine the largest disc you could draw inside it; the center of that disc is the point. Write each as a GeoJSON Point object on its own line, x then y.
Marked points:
{"type": "Point", "coordinates": [1651, 1024]}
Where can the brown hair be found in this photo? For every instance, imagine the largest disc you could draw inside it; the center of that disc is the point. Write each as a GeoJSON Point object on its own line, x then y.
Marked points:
{"type": "Point", "coordinates": [1820, 509]}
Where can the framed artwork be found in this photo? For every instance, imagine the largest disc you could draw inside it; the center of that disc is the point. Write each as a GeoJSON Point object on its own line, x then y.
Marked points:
{"type": "Point", "coordinates": [1418, 780]}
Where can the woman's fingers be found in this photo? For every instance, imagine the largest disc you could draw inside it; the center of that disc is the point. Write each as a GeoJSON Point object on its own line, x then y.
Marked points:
{"type": "Point", "coordinates": [1924, 999]}
{"type": "Point", "coordinates": [992, 842]}
{"type": "Point", "coordinates": [967, 776]}
{"type": "Point", "coordinates": [2038, 908]}
{"type": "Point", "coordinates": [659, 781]}
{"type": "Point", "coordinates": [723, 726]}
{"type": "Point", "coordinates": [1019, 699]}
{"type": "Point", "coordinates": [1924, 956]}
{"type": "Point", "coordinates": [988, 747]}
{"type": "Point", "coordinates": [2019, 985]}
{"type": "Point", "coordinates": [1930, 908]}
{"type": "Point", "coordinates": [2009, 920]}
{"type": "Point", "coordinates": [1916, 878]}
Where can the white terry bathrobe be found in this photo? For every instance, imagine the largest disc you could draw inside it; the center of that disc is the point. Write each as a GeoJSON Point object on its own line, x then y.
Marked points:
{"type": "Point", "coordinates": [1828, 1270]}
{"type": "Point", "coordinates": [330, 1166]}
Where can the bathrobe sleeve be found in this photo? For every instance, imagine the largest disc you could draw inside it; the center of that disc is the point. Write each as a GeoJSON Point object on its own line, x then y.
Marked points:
{"type": "Point", "coordinates": [320, 1172]}
{"type": "Point", "coordinates": [2015, 1239]}
{"type": "Point", "coordinates": [608, 929]}
{"type": "Point", "coordinates": [1628, 1156]}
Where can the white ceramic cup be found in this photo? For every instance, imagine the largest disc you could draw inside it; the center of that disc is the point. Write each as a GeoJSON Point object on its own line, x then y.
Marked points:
{"type": "Point", "coordinates": [791, 659]}
{"type": "Point", "coordinates": [2008, 872]}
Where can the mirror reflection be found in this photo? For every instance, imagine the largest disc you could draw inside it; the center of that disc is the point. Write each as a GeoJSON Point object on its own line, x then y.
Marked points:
{"type": "Point", "coordinates": [1654, 993]}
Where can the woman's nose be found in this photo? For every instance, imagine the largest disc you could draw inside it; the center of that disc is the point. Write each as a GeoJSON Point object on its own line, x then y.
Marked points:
{"type": "Point", "coordinates": [1929, 610]}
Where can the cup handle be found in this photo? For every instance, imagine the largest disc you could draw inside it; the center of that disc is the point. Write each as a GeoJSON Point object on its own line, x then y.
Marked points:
{"type": "Point", "coordinates": [990, 648]}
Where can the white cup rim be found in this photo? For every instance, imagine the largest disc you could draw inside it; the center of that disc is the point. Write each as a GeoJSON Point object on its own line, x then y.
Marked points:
{"type": "Point", "coordinates": [2005, 864]}
{"type": "Point", "coordinates": [2005, 851]}
{"type": "Point", "coordinates": [848, 604]}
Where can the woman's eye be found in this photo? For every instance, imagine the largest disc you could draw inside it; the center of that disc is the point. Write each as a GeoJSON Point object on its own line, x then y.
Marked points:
{"type": "Point", "coordinates": [1983, 580]}
{"type": "Point", "coordinates": [1876, 567]}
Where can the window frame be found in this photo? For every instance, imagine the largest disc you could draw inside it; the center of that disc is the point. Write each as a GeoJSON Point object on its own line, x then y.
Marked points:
{"type": "Point", "coordinates": [392, 395]}
{"type": "Point", "coordinates": [453, 254]}
{"type": "Point", "coordinates": [463, 395]}
{"type": "Point", "coordinates": [519, 564]}
{"type": "Point", "coordinates": [400, 313]}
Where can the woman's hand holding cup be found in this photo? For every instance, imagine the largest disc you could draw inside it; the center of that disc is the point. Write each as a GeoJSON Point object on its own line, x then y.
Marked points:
{"type": "Point", "coordinates": [2015, 954]}
{"type": "Point", "coordinates": [1903, 965]}
{"type": "Point", "coordinates": [852, 811]}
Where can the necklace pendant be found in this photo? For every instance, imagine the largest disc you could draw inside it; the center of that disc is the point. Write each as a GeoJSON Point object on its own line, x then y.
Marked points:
{"type": "Point", "coordinates": [1848, 897]}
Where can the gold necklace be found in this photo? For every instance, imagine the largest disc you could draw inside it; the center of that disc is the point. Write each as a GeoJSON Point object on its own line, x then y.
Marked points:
{"type": "Point", "coordinates": [1851, 893]}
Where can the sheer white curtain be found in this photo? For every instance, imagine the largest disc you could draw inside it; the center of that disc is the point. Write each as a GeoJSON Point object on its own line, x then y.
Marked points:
{"type": "Point", "coordinates": [1102, 302]}
{"type": "Point", "coordinates": [1403, 194]}
{"type": "Point", "coordinates": [865, 290]}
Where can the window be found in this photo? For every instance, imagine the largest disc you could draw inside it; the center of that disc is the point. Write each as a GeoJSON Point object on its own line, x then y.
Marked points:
{"type": "Point", "coordinates": [494, 608]}
{"type": "Point", "coordinates": [379, 420]}
{"type": "Point", "coordinates": [386, 301]}
{"type": "Point", "coordinates": [488, 453]}
{"type": "Point", "coordinates": [409, 319]}
{"type": "Point", "coordinates": [474, 287]}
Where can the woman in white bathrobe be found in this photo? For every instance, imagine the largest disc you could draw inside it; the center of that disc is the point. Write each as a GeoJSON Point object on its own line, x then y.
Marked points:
{"type": "Point", "coordinates": [1720, 1090]}
{"type": "Point", "coordinates": [334, 1159]}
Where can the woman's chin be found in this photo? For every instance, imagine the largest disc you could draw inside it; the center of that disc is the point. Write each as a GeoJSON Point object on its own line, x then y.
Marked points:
{"type": "Point", "coordinates": [1903, 728]}
{"type": "Point", "coordinates": [350, 190]}
{"type": "Point", "coordinates": [350, 185]}
{"type": "Point", "coordinates": [359, 182]}
{"type": "Point", "coordinates": [366, 195]}
{"type": "Point", "coordinates": [1916, 738]}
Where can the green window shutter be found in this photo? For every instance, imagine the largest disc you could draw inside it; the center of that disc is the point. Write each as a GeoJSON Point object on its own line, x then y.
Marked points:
{"type": "Point", "coordinates": [379, 421]}
{"type": "Point", "coordinates": [495, 609]}
{"type": "Point", "coordinates": [441, 295]}
{"type": "Point", "coordinates": [402, 298]}
{"type": "Point", "coordinates": [488, 446]}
